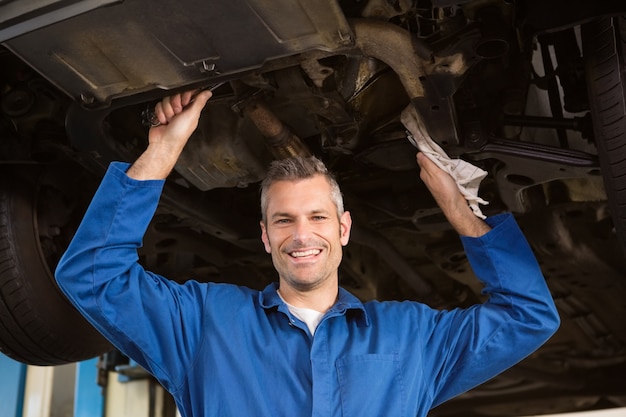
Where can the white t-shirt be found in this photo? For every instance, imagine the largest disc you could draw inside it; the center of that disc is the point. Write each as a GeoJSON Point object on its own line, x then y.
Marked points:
{"type": "Point", "coordinates": [309, 316]}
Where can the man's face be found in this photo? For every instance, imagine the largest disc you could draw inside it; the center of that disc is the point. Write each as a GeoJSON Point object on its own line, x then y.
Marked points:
{"type": "Point", "coordinates": [304, 234]}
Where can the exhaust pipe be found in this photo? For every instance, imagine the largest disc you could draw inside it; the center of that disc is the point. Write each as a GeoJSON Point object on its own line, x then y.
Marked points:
{"type": "Point", "coordinates": [283, 143]}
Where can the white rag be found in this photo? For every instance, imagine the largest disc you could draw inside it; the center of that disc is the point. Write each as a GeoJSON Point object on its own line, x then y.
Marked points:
{"type": "Point", "coordinates": [466, 175]}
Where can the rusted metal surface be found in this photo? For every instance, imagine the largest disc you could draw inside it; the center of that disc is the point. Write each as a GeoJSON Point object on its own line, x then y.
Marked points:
{"type": "Point", "coordinates": [136, 46]}
{"type": "Point", "coordinates": [282, 142]}
{"type": "Point", "coordinates": [395, 47]}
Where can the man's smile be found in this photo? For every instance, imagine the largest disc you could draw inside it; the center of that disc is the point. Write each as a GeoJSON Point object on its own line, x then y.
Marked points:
{"type": "Point", "coordinates": [305, 253]}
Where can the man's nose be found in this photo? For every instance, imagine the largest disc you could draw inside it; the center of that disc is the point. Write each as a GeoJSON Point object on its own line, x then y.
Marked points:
{"type": "Point", "coordinates": [301, 231]}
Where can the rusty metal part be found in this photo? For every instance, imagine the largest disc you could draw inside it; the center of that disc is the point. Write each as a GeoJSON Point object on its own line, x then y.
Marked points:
{"type": "Point", "coordinates": [395, 47]}
{"type": "Point", "coordinates": [317, 72]}
{"type": "Point", "coordinates": [283, 143]}
{"type": "Point", "coordinates": [409, 57]}
{"type": "Point", "coordinates": [385, 9]}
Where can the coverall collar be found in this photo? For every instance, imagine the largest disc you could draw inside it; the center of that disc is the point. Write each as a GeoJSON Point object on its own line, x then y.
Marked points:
{"type": "Point", "coordinates": [269, 298]}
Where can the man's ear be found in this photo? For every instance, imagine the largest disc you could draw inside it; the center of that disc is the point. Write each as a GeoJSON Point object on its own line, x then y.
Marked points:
{"type": "Point", "coordinates": [345, 224]}
{"type": "Point", "coordinates": [264, 238]}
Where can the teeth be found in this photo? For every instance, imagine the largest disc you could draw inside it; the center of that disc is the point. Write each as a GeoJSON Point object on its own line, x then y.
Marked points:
{"type": "Point", "coordinates": [310, 252]}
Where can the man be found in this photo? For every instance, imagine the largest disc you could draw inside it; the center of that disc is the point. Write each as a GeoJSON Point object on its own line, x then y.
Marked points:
{"type": "Point", "coordinates": [302, 347]}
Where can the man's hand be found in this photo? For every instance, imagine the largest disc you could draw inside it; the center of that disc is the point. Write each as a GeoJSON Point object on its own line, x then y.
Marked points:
{"type": "Point", "coordinates": [178, 116]}
{"type": "Point", "coordinates": [447, 195]}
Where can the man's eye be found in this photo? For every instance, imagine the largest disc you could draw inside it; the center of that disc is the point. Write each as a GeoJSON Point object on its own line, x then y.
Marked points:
{"type": "Point", "coordinates": [319, 218]}
{"type": "Point", "coordinates": [282, 221]}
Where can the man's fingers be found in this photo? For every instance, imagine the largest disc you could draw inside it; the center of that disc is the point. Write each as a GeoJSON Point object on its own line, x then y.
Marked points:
{"type": "Point", "coordinates": [176, 103]}
{"type": "Point", "coordinates": [164, 108]}
{"type": "Point", "coordinates": [197, 103]}
{"type": "Point", "coordinates": [186, 97]}
{"type": "Point", "coordinates": [160, 114]}
{"type": "Point", "coordinates": [424, 162]}
{"type": "Point", "coordinates": [170, 106]}
{"type": "Point", "coordinates": [433, 176]}
{"type": "Point", "coordinates": [427, 167]}
{"type": "Point", "coordinates": [202, 97]}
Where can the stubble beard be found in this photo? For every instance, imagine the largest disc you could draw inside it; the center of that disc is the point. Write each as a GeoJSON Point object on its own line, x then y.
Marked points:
{"type": "Point", "coordinates": [302, 281]}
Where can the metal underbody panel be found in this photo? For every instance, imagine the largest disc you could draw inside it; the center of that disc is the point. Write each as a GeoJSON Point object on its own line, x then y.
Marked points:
{"type": "Point", "coordinates": [138, 45]}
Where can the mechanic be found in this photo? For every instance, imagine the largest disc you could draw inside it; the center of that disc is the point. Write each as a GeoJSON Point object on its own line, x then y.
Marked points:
{"type": "Point", "coordinates": [302, 346]}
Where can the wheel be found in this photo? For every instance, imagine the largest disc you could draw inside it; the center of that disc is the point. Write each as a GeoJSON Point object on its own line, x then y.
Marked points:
{"type": "Point", "coordinates": [604, 46]}
{"type": "Point", "coordinates": [38, 325]}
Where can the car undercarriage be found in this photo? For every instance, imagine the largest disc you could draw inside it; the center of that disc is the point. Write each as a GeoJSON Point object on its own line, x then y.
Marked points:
{"type": "Point", "coordinates": [530, 91]}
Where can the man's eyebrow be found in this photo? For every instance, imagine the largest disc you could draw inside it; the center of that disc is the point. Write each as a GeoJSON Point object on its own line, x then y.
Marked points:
{"type": "Point", "coordinates": [319, 211]}
{"type": "Point", "coordinates": [280, 214]}
{"type": "Point", "coordinates": [287, 214]}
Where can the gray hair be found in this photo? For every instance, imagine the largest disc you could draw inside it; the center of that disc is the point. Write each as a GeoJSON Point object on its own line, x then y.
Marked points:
{"type": "Point", "coordinates": [299, 168]}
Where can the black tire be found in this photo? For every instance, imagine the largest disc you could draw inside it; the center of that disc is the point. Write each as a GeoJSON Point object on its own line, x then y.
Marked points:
{"type": "Point", "coordinates": [38, 325]}
{"type": "Point", "coordinates": [604, 46]}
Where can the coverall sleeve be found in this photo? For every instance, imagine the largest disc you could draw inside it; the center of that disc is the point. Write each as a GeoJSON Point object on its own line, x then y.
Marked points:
{"type": "Point", "coordinates": [149, 318]}
{"type": "Point", "coordinates": [518, 317]}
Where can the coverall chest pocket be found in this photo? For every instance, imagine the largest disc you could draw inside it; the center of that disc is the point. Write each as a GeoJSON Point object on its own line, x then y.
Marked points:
{"type": "Point", "coordinates": [371, 385]}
